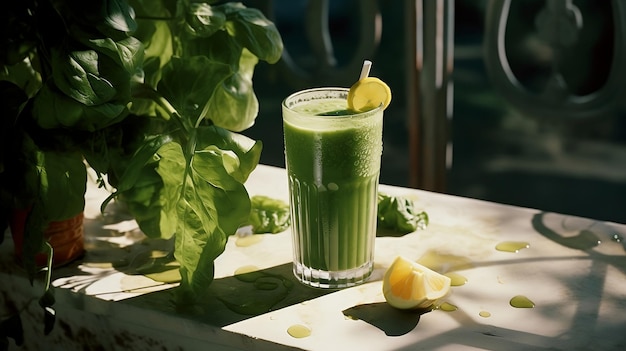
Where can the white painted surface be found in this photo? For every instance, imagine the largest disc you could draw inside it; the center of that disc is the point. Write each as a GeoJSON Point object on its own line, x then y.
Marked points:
{"type": "Point", "coordinates": [579, 295]}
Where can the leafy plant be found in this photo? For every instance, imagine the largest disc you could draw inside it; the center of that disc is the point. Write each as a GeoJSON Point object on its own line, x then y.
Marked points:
{"type": "Point", "coordinates": [65, 74]}
{"type": "Point", "coordinates": [185, 177]}
{"type": "Point", "coordinates": [152, 95]}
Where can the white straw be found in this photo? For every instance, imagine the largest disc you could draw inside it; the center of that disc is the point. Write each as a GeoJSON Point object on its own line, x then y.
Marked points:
{"type": "Point", "coordinates": [365, 71]}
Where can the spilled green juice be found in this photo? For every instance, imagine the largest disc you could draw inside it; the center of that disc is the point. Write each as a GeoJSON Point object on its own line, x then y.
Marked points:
{"type": "Point", "coordinates": [333, 164]}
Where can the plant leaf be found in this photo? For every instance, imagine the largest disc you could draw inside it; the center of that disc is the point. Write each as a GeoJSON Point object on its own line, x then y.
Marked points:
{"type": "Point", "coordinates": [66, 180]}
{"type": "Point", "coordinates": [254, 31]}
{"type": "Point", "coordinates": [171, 169]}
{"type": "Point", "coordinates": [211, 206]}
{"type": "Point", "coordinates": [189, 84]}
{"type": "Point", "coordinates": [400, 214]}
{"type": "Point", "coordinates": [127, 53]}
{"type": "Point", "coordinates": [234, 105]}
{"type": "Point", "coordinates": [247, 151]}
{"type": "Point", "coordinates": [269, 215]}
{"type": "Point", "coordinates": [77, 75]}
{"type": "Point", "coordinates": [112, 18]}
{"type": "Point", "coordinates": [141, 188]}
{"type": "Point", "coordinates": [157, 40]}
{"type": "Point", "coordinates": [203, 21]}
{"type": "Point", "coordinates": [118, 15]}
{"type": "Point", "coordinates": [145, 154]}
{"type": "Point", "coordinates": [53, 109]}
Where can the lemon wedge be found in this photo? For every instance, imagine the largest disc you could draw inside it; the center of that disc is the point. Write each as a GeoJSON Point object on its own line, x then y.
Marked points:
{"type": "Point", "coordinates": [409, 285]}
{"type": "Point", "coordinates": [367, 94]}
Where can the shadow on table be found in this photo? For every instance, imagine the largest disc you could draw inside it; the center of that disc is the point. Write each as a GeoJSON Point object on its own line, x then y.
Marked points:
{"type": "Point", "coordinates": [392, 321]}
{"type": "Point", "coordinates": [234, 299]}
{"type": "Point", "coordinates": [587, 237]}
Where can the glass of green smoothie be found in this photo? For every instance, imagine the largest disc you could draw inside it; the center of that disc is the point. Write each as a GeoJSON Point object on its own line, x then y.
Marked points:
{"type": "Point", "coordinates": [333, 163]}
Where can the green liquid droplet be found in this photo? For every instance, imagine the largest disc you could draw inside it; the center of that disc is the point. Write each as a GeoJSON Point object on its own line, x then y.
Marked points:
{"type": "Point", "coordinates": [299, 331]}
{"type": "Point", "coordinates": [512, 246]}
{"type": "Point", "coordinates": [448, 307]}
{"type": "Point", "coordinates": [167, 276]}
{"type": "Point", "coordinates": [456, 279]}
{"type": "Point", "coordinates": [520, 301]}
{"type": "Point", "coordinates": [248, 240]}
{"type": "Point", "coordinates": [246, 269]}
{"type": "Point", "coordinates": [444, 262]}
{"type": "Point", "coordinates": [484, 314]}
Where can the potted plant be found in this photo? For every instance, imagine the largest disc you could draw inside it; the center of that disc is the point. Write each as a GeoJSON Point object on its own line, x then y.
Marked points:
{"type": "Point", "coordinates": [185, 177]}
{"type": "Point", "coordinates": [152, 95]}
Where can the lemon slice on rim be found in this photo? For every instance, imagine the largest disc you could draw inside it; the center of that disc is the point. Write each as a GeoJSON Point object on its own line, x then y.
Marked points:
{"type": "Point", "coordinates": [367, 94]}
{"type": "Point", "coordinates": [409, 285]}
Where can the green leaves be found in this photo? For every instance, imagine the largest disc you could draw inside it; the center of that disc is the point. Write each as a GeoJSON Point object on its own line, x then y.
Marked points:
{"type": "Point", "coordinates": [87, 59]}
{"type": "Point", "coordinates": [76, 76]}
{"type": "Point", "coordinates": [234, 105]}
{"type": "Point", "coordinates": [205, 88]}
{"type": "Point", "coordinates": [269, 215]}
{"type": "Point", "coordinates": [194, 188]}
{"type": "Point", "coordinates": [247, 26]}
{"type": "Point", "coordinates": [89, 88]}
{"type": "Point", "coordinates": [118, 15]}
{"type": "Point", "coordinates": [211, 200]}
{"type": "Point", "coordinates": [53, 109]}
{"type": "Point", "coordinates": [63, 176]}
{"type": "Point", "coordinates": [189, 85]}
{"type": "Point", "coordinates": [244, 153]}
{"type": "Point", "coordinates": [87, 74]}
{"type": "Point", "coordinates": [229, 34]}
{"type": "Point", "coordinates": [202, 20]}
{"type": "Point", "coordinates": [190, 68]}
{"type": "Point", "coordinates": [400, 214]}
{"type": "Point", "coordinates": [255, 32]}
{"type": "Point", "coordinates": [126, 53]}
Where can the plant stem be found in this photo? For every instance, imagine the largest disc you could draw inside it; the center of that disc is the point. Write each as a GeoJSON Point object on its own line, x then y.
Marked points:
{"type": "Point", "coordinates": [50, 251]}
{"type": "Point", "coordinates": [147, 92]}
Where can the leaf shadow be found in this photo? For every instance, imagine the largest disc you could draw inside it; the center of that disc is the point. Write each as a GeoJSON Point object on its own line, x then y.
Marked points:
{"type": "Point", "coordinates": [235, 298]}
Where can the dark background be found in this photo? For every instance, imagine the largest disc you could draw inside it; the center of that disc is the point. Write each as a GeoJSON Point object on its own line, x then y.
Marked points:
{"type": "Point", "coordinates": [499, 153]}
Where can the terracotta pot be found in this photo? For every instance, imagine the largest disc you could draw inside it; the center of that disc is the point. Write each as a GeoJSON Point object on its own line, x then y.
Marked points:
{"type": "Point", "coordinates": [66, 238]}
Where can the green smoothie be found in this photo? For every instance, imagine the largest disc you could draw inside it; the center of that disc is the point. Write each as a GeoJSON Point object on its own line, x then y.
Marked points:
{"type": "Point", "coordinates": [333, 163]}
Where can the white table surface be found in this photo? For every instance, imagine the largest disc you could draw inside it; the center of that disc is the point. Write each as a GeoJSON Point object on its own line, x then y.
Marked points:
{"type": "Point", "coordinates": [579, 295]}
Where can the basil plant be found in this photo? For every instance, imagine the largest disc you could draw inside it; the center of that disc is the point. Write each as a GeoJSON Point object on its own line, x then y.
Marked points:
{"type": "Point", "coordinates": [152, 94]}
{"type": "Point", "coordinates": [181, 161]}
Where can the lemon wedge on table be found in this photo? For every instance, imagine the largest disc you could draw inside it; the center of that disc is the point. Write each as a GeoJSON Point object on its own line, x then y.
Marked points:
{"type": "Point", "coordinates": [367, 94]}
{"type": "Point", "coordinates": [410, 285]}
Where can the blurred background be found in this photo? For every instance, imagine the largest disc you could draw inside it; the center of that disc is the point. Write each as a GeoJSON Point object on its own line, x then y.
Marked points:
{"type": "Point", "coordinates": [496, 152]}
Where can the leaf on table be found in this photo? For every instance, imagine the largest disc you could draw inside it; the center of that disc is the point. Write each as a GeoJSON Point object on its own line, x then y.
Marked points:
{"type": "Point", "coordinates": [269, 215]}
{"type": "Point", "coordinates": [400, 214]}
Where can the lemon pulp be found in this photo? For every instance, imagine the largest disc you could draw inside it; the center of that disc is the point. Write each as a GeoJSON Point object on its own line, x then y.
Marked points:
{"type": "Point", "coordinates": [409, 285]}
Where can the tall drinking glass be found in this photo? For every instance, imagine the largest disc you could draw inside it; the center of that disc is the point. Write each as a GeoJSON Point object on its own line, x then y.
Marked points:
{"type": "Point", "coordinates": [333, 163]}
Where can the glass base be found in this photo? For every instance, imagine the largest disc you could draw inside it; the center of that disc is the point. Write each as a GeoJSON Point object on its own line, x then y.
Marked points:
{"type": "Point", "coordinates": [332, 279]}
